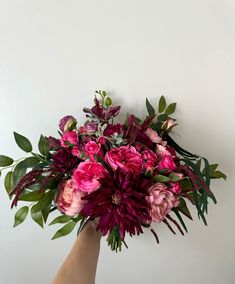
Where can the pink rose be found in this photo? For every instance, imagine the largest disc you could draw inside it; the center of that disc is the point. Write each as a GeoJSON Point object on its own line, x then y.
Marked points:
{"type": "Point", "coordinates": [91, 149]}
{"type": "Point", "coordinates": [87, 176]}
{"type": "Point", "coordinates": [167, 162]}
{"type": "Point", "coordinates": [150, 160]}
{"type": "Point", "coordinates": [69, 199]}
{"type": "Point", "coordinates": [72, 138]}
{"type": "Point", "coordinates": [162, 150]}
{"type": "Point", "coordinates": [126, 158]}
{"type": "Point", "coordinates": [175, 187]}
{"type": "Point", "coordinates": [161, 201]}
{"type": "Point", "coordinates": [154, 137]}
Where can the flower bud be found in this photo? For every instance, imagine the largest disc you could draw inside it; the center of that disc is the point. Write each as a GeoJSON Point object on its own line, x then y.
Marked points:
{"type": "Point", "coordinates": [168, 124]}
{"type": "Point", "coordinates": [67, 123]}
{"type": "Point", "coordinates": [108, 101]}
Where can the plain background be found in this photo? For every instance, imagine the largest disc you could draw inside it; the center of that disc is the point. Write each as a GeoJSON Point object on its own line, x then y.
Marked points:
{"type": "Point", "coordinates": [54, 54]}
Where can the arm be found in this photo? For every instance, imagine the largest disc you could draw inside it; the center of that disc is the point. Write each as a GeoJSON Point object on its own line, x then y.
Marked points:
{"type": "Point", "coordinates": [80, 265]}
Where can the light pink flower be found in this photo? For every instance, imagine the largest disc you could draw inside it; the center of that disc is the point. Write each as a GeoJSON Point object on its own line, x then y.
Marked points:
{"type": "Point", "coordinates": [167, 162]}
{"type": "Point", "coordinates": [168, 124]}
{"type": "Point", "coordinates": [175, 187]}
{"type": "Point", "coordinates": [154, 137]}
{"type": "Point", "coordinates": [150, 160]}
{"type": "Point", "coordinates": [69, 199]}
{"type": "Point", "coordinates": [91, 149]}
{"type": "Point", "coordinates": [161, 201]}
{"type": "Point", "coordinates": [126, 158]}
{"type": "Point", "coordinates": [162, 150]}
{"type": "Point", "coordinates": [72, 138]}
{"type": "Point", "coordinates": [87, 176]}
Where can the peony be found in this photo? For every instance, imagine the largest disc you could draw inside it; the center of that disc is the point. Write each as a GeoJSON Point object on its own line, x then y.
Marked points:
{"type": "Point", "coordinates": [69, 200]}
{"type": "Point", "coordinates": [167, 162]}
{"type": "Point", "coordinates": [175, 187]}
{"type": "Point", "coordinates": [87, 176]}
{"type": "Point", "coordinates": [68, 139]}
{"type": "Point", "coordinates": [161, 201]}
{"type": "Point", "coordinates": [126, 158]}
{"type": "Point", "coordinates": [67, 123]}
{"type": "Point", "coordinates": [92, 148]}
{"type": "Point", "coordinates": [150, 160]}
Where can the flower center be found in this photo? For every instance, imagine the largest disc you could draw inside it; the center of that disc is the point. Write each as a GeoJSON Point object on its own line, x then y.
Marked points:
{"type": "Point", "coordinates": [116, 198]}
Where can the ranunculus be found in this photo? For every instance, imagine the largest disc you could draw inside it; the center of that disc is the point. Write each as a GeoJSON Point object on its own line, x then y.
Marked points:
{"type": "Point", "coordinates": [113, 128]}
{"type": "Point", "coordinates": [87, 176]}
{"type": "Point", "coordinates": [161, 201]}
{"type": "Point", "coordinates": [154, 137]}
{"type": "Point", "coordinates": [63, 161]}
{"type": "Point", "coordinates": [175, 187]}
{"type": "Point", "coordinates": [69, 200]}
{"type": "Point", "coordinates": [72, 138]}
{"type": "Point", "coordinates": [150, 160]}
{"type": "Point", "coordinates": [67, 123]}
{"type": "Point", "coordinates": [166, 162]}
{"type": "Point", "coordinates": [126, 158]}
{"type": "Point", "coordinates": [91, 149]}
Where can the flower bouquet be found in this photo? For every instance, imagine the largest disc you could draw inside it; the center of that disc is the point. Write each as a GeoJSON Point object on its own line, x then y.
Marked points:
{"type": "Point", "coordinates": [127, 175]}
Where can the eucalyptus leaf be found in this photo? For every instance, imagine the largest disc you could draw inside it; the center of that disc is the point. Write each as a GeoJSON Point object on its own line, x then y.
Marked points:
{"type": "Point", "coordinates": [20, 215]}
{"type": "Point", "coordinates": [23, 142]}
{"type": "Point", "coordinates": [5, 161]}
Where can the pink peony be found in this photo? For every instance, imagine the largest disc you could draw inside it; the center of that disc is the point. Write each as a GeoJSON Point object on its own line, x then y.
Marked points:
{"type": "Point", "coordinates": [91, 149]}
{"type": "Point", "coordinates": [69, 199]}
{"type": "Point", "coordinates": [167, 162]}
{"type": "Point", "coordinates": [161, 201]}
{"type": "Point", "coordinates": [175, 187]}
{"type": "Point", "coordinates": [72, 138]}
{"type": "Point", "coordinates": [154, 137]}
{"type": "Point", "coordinates": [125, 157]}
{"type": "Point", "coordinates": [87, 176]}
{"type": "Point", "coordinates": [150, 160]}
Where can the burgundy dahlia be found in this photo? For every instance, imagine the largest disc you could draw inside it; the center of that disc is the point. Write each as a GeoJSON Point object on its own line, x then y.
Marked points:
{"type": "Point", "coordinates": [64, 161]}
{"type": "Point", "coordinates": [121, 201]}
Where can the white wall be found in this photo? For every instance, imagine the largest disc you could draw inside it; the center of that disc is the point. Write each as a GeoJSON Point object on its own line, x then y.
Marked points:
{"type": "Point", "coordinates": [54, 54]}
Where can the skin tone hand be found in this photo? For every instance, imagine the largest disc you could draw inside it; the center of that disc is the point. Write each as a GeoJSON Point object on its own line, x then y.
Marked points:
{"type": "Point", "coordinates": [80, 265]}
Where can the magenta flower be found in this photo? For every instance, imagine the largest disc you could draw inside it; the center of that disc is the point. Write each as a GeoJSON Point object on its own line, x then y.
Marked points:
{"type": "Point", "coordinates": [92, 149]}
{"type": "Point", "coordinates": [126, 158]}
{"type": "Point", "coordinates": [175, 187]}
{"type": "Point", "coordinates": [69, 199]}
{"type": "Point", "coordinates": [87, 176]}
{"type": "Point", "coordinates": [167, 162]}
{"type": "Point", "coordinates": [149, 159]}
{"type": "Point", "coordinates": [67, 123]}
{"type": "Point", "coordinates": [161, 201]}
{"type": "Point", "coordinates": [70, 140]}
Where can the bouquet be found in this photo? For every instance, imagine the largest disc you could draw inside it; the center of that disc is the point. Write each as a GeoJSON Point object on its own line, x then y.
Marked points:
{"type": "Point", "coordinates": [128, 175]}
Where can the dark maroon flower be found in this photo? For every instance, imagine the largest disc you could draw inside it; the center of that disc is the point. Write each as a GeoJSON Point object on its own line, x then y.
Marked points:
{"type": "Point", "coordinates": [113, 128]}
{"type": "Point", "coordinates": [119, 202]}
{"type": "Point", "coordinates": [64, 161]}
{"type": "Point", "coordinates": [104, 114]}
{"type": "Point", "coordinates": [53, 143]}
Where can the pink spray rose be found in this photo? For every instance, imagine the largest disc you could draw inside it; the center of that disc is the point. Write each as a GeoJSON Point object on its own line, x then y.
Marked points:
{"type": "Point", "coordinates": [168, 124]}
{"type": "Point", "coordinates": [167, 162]}
{"type": "Point", "coordinates": [161, 201]}
{"type": "Point", "coordinates": [150, 160]}
{"type": "Point", "coordinates": [91, 149]}
{"type": "Point", "coordinates": [69, 199]}
{"type": "Point", "coordinates": [175, 187]}
{"type": "Point", "coordinates": [87, 176]}
{"type": "Point", "coordinates": [154, 137]}
{"type": "Point", "coordinates": [125, 157]}
{"type": "Point", "coordinates": [72, 138]}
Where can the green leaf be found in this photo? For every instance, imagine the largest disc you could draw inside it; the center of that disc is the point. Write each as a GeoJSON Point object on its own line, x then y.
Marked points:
{"type": "Point", "coordinates": [43, 145]}
{"type": "Point", "coordinates": [177, 213]}
{"type": "Point", "coordinates": [32, 196]}
{"type": "Point", "coordinates": [30, 162]}
{"type": "Point", "coordinates": [20, 215]}
{"type": "Point", "coordinates": [150, 108]}
{"type": "Point", "coordinates": [218, 174]}
{"type": "Point", "coordinates": [162, 117]}
{"type": "Point", "coordinates": [46, 212]}
{"type": "Point", "coordinates": [23, 142]}
{"type": "Point", "coordinates": [36, 216]}
{"type": "Point", "coordinates": [19, 172]}
{"type": "Point", "coordinates": [170, 109]}
{"type": "Point", "coordinates": [9, 182]}
{"type": "Point", "coordinates": [161, 178]}
{"type": "Point", "coordinates": [61, 219]}
{"type": "Point", "coordinates": [174, 177]}
{"type": "Point", "coordinates": [45, 201]}
{"type": "Point", "coordinates": [5, 161]}
{"type": "Point", "coordinates": [184, 209]}
{"type": "Point", "coordinates": [65, 230]}
{"type": "Point", "coordinates": [162, 104]}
